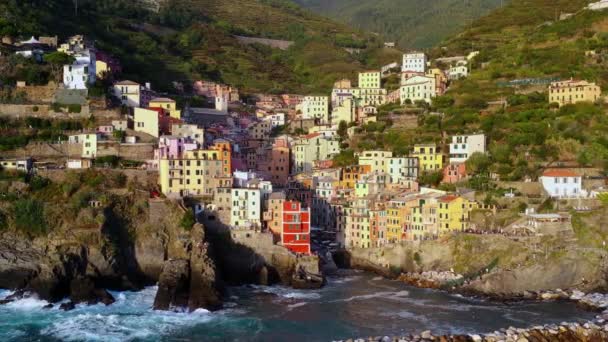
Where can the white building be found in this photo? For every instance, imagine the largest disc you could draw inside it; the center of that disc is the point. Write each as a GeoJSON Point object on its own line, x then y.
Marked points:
{"type": "Point", "coordinates": [88, 142]}
{"type": "Point", "coordinates": [81, 72]}
{"type": "Point", "coordinates": [415, 61]}
{"type": "Point", "coordinates": [128, 92]}
{"type": "Point", "coordinates": [418, 88]}
{"type": "Point", "coordinates": [24, 164]}
{"type": "Point", "coordinates": [463, 146]}
{"type": "Point", "coordinates": [190, 131]}
{"type": "Point", "coordinates": [276, 120]}
{"type": "Point", "coordinates": [458, 72]}
{"type": "Point", "coordinates": [562, 184]}
{"type": "Point", "coordinates": [315, 107]}
{"type": "Point", "coordinates": [402, 169]}
{"type": "Point", "coordinates": [246, 208]}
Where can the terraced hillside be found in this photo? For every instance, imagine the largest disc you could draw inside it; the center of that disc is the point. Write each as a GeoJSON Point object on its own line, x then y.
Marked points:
{"type": "Point", "coordinates": [190, 39]}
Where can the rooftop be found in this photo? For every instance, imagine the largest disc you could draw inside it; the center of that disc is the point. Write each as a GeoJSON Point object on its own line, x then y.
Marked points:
{"type": "Point", "coordinates": [560, 173]}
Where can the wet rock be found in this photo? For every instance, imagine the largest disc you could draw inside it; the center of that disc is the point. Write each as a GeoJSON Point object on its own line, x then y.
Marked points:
{"type": "Point", "coordinates": [204, 283]}
{"type": "Point", "coordinates": [67, 306]}
{"type": "Point", "coordinates": [48, 307]}
{"type": "Point", "coordinates": [83, 290]}
{"type": "Point", "coordinates": [173, 285]}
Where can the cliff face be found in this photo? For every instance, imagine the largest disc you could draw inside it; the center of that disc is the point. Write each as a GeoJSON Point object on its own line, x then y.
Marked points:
{"type": "Point", "coordinates": [492, 265]}
{"type": "Point", "coordinates": [124, 253]}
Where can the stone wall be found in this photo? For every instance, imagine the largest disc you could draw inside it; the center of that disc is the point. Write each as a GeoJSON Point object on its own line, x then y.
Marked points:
{"type": "Point", "coordinates": [39, 94]}
{"type": "Point", "coordinates": [40, 111]}
{"type": "Point", "coordinates": [139, 152]}
{"type": "Point", "coordinates": [43, 150]}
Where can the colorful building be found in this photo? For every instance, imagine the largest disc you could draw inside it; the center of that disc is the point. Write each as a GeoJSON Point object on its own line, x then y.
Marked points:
{"type": "Point", "coordinates": [573, 91]}
{"type": "Point", "coordinates": [313, 147]}
{"type": "Point", "coordinates": [168, 106]}
{"type": "Point", "coordinates": [352, 174]}
{"type": "Point", "coordinates": [147, 121]}
{"type": "Point", "coordinates": [429, 157]}
{"type": "Point", "coordinates": [128, 92]}
{"type": "Point", "coordinates": [295, 234]}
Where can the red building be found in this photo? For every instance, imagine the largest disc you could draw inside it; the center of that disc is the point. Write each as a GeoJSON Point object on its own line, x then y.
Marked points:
{"type": "Point", "coordinates": [296, 227]}
{"type": "Point", "coordinates": [454, 173]}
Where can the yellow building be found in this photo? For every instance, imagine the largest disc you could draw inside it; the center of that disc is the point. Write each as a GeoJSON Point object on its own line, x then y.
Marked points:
{"type": "Point", "coordinates": [370, 80]}
{"type": "Point", "coordinates": [429, 157]}
{"type": "Point", "coordinates": [167, 105]}
{"type": "Point", "coordinates": [571, 91]}
{"type": "Point", "coordinates": [195, 173]}
{"type": "Point", "coordinates": [344, 112]}
{"type": "Point", "coordinates": [376, 160]}
{"type": "Point", "coordinates": [454, 213]}
{"type": "Point", "coordinates": [395, 222]}
{"type": "Point", "coordinates": [146, 121]}
{"type": "Point", "coordinates": [101, 68]}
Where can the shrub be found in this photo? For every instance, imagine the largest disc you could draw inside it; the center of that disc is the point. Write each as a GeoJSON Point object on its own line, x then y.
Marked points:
{"type": "Point", "coordinates": [74, 108]}
{"type": "Point", "coordinates": [35, 109]}
{"type": "Point", "coordinates": [29, 216]}
{"type": "Point", "coordinates": [187, 221]}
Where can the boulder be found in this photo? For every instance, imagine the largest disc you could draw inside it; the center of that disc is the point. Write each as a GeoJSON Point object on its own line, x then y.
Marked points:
{"type": "Point", "coordinates": [173, 285]}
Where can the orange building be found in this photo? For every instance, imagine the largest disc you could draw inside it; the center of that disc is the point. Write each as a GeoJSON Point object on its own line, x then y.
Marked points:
{"type": "Point", "coordinates": [352, 174]}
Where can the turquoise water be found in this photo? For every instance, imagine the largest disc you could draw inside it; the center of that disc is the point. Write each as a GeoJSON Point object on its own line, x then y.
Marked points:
{"type": "Point", "coordinates": [353, 304]}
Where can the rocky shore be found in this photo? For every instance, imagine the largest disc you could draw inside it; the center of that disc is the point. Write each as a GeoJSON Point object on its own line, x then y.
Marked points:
{"type": "Point", "coordinates": [566, 332]}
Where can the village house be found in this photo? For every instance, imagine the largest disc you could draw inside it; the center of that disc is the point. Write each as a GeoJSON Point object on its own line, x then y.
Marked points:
{"type": "Point", "coordinates": [189, 131]}
{"type": "Point", "coordinates": [573, 91]}
{"type": "Point", "coordinates": [167, 105]}
{"type": "Point", "coordinates": [418, 88]}
{"type": "Point", "coordinates": [88, 142]}
{"type": "Point", "coordinates": [315, 107]}
{"type": "Point", "coordinates": [295, 232]}
{"type": "Point", "coordinates": [454, 173]}
{"type": "Point", "coordinates": [429, 157]}
{"type": "Point", "coordinates": [562, 184]}
{"type": "Point", "coordinates": [147, 121]}
{"type": "Point", "coordinates": [463, 146]}
{"type": "Point", "coordinates": [313, 147]}
{"type": "Point", "coordinates": [414, 61]}
{"type": "Point", "coordinates": [128, 92]}
{"type": "Point", "coordinates": [246, 208]}
{"type": "Point", "coordinates": [23, 164]}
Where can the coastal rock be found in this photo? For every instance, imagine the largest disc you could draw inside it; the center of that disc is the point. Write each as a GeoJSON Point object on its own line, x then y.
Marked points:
{"type": "Point", "coordinates": [204, 285]}
{"type": "Point", "coordinates": [173, 285]}
{"type": "Point", "coordinates": [83, 290]}
{"type": "Point", "coordinates": [69, 306]}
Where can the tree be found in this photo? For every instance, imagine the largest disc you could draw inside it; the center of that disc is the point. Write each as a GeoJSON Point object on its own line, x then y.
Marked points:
{"type": "Point", "coordinates": [343, 130]}
{"type": "Point", "coordinates": [431, 178]}
{"type": "Point", "coordinates": [478, 163]}
{"type": "Point", "coordinates": [56, 60]}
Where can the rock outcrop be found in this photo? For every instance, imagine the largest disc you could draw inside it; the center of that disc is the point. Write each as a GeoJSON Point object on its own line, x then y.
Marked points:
{"type": "Point", "coordinates": [173, 285]}
{"type": "Point", "coordinates": [122, 254]}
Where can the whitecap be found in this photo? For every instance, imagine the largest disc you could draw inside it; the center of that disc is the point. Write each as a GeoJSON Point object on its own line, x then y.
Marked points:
{"type": "Point", "coordinates": [383, 294]}
{"type": "Point", "coordinates": [296, 305]}
{"type": "Point", "coordinates": [27, 304]}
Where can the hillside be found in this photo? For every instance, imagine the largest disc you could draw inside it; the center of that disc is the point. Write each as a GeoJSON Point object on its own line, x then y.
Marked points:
{"type": "Point", "coordinates": [192, 39]}
{"type": "Point", "coordinates": [521, 41]}
{"type": "Point", "coordinates": [411, 23]}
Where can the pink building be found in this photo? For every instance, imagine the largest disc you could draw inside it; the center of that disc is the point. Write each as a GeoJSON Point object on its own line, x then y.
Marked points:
{"type": "Point", "coordinates": [170, 147]}
{"type": "Point", "coordinates": [276, 162]}
{"type": "Point", "coordinates": [454, 173]}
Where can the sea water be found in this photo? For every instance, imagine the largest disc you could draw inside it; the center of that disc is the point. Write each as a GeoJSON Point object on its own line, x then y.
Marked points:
{"type": "Point", "coordinates": [353, 304]}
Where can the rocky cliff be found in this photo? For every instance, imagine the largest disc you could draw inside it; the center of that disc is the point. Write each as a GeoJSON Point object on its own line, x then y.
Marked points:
{"type": "Point", "coordinates": [126, 251]}
{"type": "Point", "coordinates": [492, 265]}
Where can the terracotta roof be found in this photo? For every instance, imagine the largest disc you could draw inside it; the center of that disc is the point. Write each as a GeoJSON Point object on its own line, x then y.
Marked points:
{"type": "Point", "coordinates": [162, 99]}
{"type": "Point", "coordinates": [560, 173]}
{"type": "Point", "coordinates": [312, 135]}
{"type": "Point", "coordinates": [447, 198]}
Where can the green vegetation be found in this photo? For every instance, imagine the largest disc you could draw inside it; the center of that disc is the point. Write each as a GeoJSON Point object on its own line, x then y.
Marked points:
{"type": "Point", "coordinates": [29, 216]}
{"type": "Point", "coordinates": [193, 39]}
{"type": "Point", "coordinates": [15, 133]}
{"type": "Point", "coordinates": [411, 23]}
{"type": "Point", "coordinates": [187, 221]}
